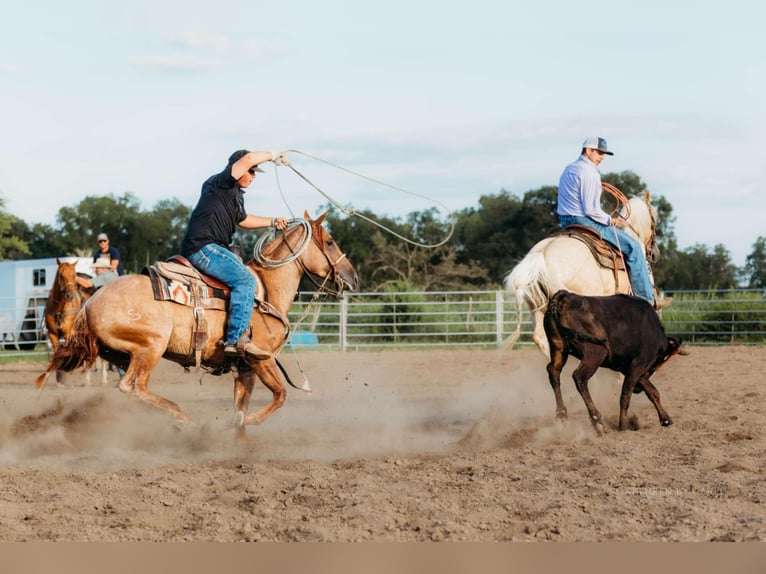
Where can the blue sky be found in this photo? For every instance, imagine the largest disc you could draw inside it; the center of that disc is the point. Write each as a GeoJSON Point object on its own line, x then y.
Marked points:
{"type": "Point", "coordinates": [447, 101]}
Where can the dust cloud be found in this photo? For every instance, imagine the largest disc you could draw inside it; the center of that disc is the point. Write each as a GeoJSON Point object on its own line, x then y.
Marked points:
{"type": "Point", "coordinates": [361, 406]}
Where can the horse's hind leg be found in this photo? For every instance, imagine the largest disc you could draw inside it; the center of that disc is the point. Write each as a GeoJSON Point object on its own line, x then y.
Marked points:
{"type": "Point", "coordinates": [135, 383]}
{"type": "Point", "coordinates": [538, 334]}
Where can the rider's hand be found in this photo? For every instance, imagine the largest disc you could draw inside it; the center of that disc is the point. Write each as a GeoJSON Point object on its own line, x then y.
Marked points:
{"type": "Point", "coordinates": [279, 222]}
{"type": "Point", "coordinates": [279, 158]}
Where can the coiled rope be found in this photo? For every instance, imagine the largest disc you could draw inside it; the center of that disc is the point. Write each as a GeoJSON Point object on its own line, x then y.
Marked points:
{"type": "Point", "coordinates": [295, 252]}
{"type": "Point", "coordinates": [622, 201]}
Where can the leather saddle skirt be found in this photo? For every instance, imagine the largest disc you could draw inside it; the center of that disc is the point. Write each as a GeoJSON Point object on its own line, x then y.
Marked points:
{"type": "Point", "coordinates": [606, 255]}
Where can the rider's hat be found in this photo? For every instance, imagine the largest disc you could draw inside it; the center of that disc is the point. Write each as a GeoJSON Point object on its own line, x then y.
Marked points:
{"type": "Point", "coordinates": [596, 143]}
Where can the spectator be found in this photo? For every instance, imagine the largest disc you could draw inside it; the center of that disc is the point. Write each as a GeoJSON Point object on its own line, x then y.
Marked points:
{"type": "Point", "coordinates": [112, 254]}
{"type": "Point", "coordinates": [104, 274]}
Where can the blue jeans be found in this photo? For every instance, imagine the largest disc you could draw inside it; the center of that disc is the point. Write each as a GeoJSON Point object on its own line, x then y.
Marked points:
{"type": "Point", "coordinates": [222, 264]}
{"type": "Point", "coordinates": [638, 270]}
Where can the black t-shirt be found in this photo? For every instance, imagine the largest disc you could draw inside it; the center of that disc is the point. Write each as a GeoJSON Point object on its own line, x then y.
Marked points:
{"type": "Point", "coordinates": [220, 208]}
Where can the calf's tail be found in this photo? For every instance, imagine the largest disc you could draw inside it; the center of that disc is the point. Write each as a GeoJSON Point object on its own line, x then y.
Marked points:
{"type": "Point", "coordinates": [79, 350]}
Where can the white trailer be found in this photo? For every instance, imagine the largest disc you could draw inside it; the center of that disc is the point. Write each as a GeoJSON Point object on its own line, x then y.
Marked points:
{"type": "Point", "coordinates": [24, 288]}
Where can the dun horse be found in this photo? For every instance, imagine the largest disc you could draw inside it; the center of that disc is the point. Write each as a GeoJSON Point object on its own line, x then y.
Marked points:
{"type": "Point", "coordinates": [562, 262]}
{"type": "Point", "coordinates": [64, 302]}
{"type": "Point", "coordinates": [125, 324]}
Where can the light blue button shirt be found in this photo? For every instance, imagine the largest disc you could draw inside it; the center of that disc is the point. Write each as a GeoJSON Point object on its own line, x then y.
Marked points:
{"type": "Point", "coordinates": [580, 191]}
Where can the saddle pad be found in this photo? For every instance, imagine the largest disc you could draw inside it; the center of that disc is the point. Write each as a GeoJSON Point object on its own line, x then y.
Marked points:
{"type": "Point", "coordinates": [184, 290]}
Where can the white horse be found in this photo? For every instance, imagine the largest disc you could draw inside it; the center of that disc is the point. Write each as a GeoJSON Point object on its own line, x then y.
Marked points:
{"type": "Point", "coordinates": [563, 262]}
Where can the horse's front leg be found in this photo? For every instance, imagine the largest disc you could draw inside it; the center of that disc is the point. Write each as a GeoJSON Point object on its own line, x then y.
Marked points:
{"type": "Point", "coordinates": [270, 376]}
{"type": "Point", "coordinates": [243, 389]}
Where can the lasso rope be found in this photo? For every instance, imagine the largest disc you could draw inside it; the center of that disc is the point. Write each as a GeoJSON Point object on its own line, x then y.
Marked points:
{"type": "Point", "coordinates": [622, 202]}
{"type": "Point", "coordinates": [351, 212]}
{"type": "Point", "coordinates": [294, 252]}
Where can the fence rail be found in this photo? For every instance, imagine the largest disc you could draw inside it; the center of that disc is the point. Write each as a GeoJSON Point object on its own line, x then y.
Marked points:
{"type": "Point", "coordinates": [480, 319]}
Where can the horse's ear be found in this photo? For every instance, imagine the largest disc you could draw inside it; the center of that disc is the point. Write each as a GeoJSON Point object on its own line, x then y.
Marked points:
{"type": "Point", "coordinates": [647, 197]}
{"type": "Point", "coordinates": [319, 220]}
{"type": "Point", "coordinates": [306, 215]}
{"type": "Point", "coordinates": [58, 262]}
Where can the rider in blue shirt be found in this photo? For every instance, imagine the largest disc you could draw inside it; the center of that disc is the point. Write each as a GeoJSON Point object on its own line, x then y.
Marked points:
{"type": "Point", "coordinates": [579, 201]}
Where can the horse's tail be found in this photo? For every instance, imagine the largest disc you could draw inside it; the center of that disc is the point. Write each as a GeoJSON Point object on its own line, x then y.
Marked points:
{"type": "Point", "coordinates": [79, 350]}
{"type": "Point", "coordinates": [526, 283]}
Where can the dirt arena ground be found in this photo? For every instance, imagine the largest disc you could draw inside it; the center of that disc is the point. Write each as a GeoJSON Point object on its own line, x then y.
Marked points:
{"type": "Point", "coordinates": [448, 445]}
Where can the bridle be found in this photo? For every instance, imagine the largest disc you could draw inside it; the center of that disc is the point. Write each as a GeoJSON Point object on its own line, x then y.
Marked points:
{"type": "Point", "coordinates": [295, 256]}
{"type": "Point", "coordinates": [71, 294]}
{"type": "Point", "coordinates": [333, 275]}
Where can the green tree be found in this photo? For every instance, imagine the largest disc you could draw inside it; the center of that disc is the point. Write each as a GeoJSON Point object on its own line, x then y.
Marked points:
{"type": "Point", "coordinates": [700, 268]}
{"type": "Point", "coordinates": [11, 245]}
{"type": "Point", "coordinates": [43, 241]}
{"type": "Point", "coordinates": [157, 234]}
{"type": "Point", "coordinates": [115, 216]}
{"type": "Point", "coordinates": [487, 236]}
{"type": "Point", "coordinates": [754, 271]}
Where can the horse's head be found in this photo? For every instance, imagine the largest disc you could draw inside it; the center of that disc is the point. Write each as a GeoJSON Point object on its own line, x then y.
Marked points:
{"type": "Point", "coordinates": [640, 218]}
{"type": "Point", "coordinates": [323, 258]}
{"type": "Point", "coordinates": [64, 285]}
{"type": "Point", "coordinates": [311, 246]}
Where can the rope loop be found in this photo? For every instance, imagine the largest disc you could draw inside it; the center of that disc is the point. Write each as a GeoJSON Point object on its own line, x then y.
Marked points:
{"type": "Point", "coordinates": [352, 213]}
{"type": "Point", "coordinates": [295, 252]}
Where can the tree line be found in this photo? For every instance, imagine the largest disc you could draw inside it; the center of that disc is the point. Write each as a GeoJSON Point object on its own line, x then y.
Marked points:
{"type": "Point", "coordinates": [485, 243]}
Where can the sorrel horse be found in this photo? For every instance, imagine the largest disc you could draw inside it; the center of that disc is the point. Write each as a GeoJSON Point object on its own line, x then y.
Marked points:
{"type": "Point", "coordinates": [125, 324]}
{"type": "Point", "coordinates": [562, 262]}
{"type": "Point", "coordinates": [65, 300]}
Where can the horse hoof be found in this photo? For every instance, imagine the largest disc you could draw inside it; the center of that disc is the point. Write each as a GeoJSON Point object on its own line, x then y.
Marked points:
{"type": "Point", "coordinates": [237, 420]}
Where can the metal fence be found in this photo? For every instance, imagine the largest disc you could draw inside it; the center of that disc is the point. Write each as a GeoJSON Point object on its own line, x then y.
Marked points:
{"type": "Point", "coordinates": [487, 318]}
{"type": "Point", "coordinates": [475, 319]}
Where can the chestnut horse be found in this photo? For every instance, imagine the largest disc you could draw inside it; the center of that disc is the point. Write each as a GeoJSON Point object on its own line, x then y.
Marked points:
{"type": "Point", "coordinates": [562, 262]}
{"type": "Point", "coordinates": [65, 299]}
{"type": "Point", "coordinates": [126, 325]}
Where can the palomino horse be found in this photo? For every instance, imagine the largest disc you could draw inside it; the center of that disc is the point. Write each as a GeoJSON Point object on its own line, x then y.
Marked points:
{"type": "Point", "coordinates": [65, 299]}
{"type": "Point", "coordinates": [125, 324]}
{"type": "Point", "coordinates": [562, 262]}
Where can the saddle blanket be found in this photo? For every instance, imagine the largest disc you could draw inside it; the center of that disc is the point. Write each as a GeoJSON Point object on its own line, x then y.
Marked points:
{"type": "Point", "coordinates": [173, 283]}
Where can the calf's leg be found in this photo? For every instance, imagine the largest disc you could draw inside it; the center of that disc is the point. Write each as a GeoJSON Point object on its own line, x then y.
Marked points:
{"type": "Point", "coordinates": [558, 360]}
{"type": "Point", "coordinates": [593, 356]}
{"type": "Point", "coordinates": [654, 396]}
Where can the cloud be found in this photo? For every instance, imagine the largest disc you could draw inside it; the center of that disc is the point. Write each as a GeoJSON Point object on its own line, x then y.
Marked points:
{"type": "Point", "coordinates": [9, 69]}
{"type": "Point", "coordinates": [203, 41]}
{"type": "Point", "coordinates": [256, 50]}
{"type": "Point", "coordinates": [172, 63]}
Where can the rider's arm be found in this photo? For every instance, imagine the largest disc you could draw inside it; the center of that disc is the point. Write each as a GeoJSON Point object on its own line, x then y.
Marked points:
{"type": "Point", "coordinates": [259, 221]}
{"type": "Point", "coordinates": [249, 160]}
{"type": "Point", "coordinates": [591, 197]}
